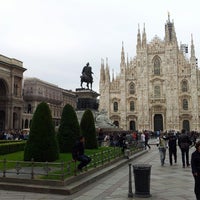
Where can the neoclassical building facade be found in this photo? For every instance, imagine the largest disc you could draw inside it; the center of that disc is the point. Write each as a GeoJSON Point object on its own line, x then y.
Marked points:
{"type": "Point", "coordinates": [11, 99]}
{"type": "Point", "coordinates": [20, 96]}
{"type": "Point", "coordinates": [35, 91]}
{"type": "Point", "coordinates": [159, 89]}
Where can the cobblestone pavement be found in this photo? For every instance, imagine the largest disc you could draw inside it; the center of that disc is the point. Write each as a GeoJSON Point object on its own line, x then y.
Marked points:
{"type": "Point", "coordinates": [166, 183]}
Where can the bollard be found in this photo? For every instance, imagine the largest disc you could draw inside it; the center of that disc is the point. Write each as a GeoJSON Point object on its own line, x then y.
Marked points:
{"type": "Point", "coordinates": [142, 180]}
{"type": "Point", "coordinates": [127, 153]}
{"type": "Point", "coordinates": [130, 193]}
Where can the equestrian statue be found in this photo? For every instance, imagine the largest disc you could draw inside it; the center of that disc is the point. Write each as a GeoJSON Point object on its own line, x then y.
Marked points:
{"type": "Point", "coordinates": [87, 76]}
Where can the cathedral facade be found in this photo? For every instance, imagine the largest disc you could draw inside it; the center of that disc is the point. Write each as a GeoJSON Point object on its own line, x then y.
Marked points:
{"type": "Point", "coordinates": [159, 89]}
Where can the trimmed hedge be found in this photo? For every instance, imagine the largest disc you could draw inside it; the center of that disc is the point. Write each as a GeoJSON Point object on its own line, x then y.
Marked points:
{"type": "Point", "coordinates": [11, 147]}
{"type": "Point", "coordinates": [69, 129]}
{"type": "Point", "coordinates": [42, 145]}
{"type": "Point", "coordinates": [88, 130]}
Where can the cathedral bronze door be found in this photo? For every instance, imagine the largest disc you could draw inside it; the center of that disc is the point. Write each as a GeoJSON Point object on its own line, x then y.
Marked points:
{"type": "Point", "coordinates": [158, 122]}
{"type": "Point", "coordinates": [186, 125]}
{"type": "Point", "coordinates": [132, 126]}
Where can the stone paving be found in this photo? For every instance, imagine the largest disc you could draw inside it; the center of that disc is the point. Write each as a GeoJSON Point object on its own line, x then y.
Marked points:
{"type": "Point", "coordinates": [166, 183]}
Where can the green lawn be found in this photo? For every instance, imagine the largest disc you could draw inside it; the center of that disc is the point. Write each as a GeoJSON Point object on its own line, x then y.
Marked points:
{"type": "Point", "coordinates": [63, 157]}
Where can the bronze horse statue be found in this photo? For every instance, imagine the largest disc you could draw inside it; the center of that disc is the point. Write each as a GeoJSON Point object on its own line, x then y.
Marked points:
{"type": "Point", "coordinates": [87, 76]}
{"type": "Point", "coordinates": [88, 80]}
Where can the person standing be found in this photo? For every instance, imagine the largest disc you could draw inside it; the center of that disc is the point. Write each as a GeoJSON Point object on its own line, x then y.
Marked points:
{"type": "Point", "coordinates": [195, 164]}
{"type": "Point", "coordinates": [172, 143]}
{"type": "Point", "coordinates": [184, 143]}
{"type": "Point", "coordinates": [78, 153]}
{"type": "Point", "coordinates": [162, 148]}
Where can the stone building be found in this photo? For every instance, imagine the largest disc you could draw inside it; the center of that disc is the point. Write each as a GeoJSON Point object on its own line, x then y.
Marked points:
{"type": "Point", "coordinates": [159, 89]}
{"type": "Point", "coordinates": [35, 91]}
{"type": "Point", "coordinates": [11, 100]}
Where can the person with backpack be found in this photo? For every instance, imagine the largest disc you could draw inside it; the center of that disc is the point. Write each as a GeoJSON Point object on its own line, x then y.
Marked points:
{"type": "Point", "coordinates": [78, 153]}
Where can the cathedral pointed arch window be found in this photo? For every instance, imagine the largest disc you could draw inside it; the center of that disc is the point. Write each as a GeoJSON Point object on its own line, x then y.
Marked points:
{"type": "Point", "coordinates": [157, 91]}
{"type": "Point", "coordinates": [132, 88]}
{"type": "Point", "coordinates": [156, 66]}
{"type": "Point", "coordinates": [132, 106]}
{"type": "Point", "coordinates": [115, 106]}
{"type": "Point", "coordinates": [184, 86]}
{"type": "Point", "coordinates": [185, 104]}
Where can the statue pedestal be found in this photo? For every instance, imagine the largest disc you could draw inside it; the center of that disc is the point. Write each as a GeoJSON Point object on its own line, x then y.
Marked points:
{"type": "Point", "coordinates": [87, 99]}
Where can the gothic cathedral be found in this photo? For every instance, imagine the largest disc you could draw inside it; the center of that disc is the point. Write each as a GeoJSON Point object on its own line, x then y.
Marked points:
{"type": "Point", "coordinates": [157, 90]}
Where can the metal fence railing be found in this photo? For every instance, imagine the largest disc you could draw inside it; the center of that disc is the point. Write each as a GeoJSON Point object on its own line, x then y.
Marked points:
{"type": "Point", "coordinates": [56, 171]}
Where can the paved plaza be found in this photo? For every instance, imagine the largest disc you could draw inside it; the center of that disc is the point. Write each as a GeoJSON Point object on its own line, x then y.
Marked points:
{"type": "Point", "coordinates": [167, 183]}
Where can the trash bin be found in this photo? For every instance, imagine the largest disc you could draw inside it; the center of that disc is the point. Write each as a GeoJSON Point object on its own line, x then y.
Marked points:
{"type": "Point", "coordinates": [142, 174]}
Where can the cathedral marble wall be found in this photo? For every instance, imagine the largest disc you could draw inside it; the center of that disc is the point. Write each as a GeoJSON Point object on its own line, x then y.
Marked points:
{"type": "Point", "coordinates": [156, 90]}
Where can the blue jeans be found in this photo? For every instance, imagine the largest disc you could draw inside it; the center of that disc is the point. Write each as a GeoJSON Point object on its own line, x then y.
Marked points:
{"type": "Point", "coordinates": [162, 151]}
{"type": "Point", "coordinates": [84, 160]}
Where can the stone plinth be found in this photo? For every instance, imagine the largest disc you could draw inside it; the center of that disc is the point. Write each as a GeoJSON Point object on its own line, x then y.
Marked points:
{"type": "Point", "coordinates": [86, 99]}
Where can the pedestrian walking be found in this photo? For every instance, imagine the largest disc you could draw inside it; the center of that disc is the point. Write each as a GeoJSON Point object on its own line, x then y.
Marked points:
{"type": "Point", "coordinates": [146, 140]}
{"type": "Point", "coordinates": [162, 148]}
{"type": "Point", "coordinates": [78, 153]}
{"type": "Point", "coordinates": [142, 138]}
{"type": "Point", "coordinates": [195, 164]}
{"type": "Point", "coordinates": [172, 145]}
{"type": "Point", "coordinates": [184, 143]}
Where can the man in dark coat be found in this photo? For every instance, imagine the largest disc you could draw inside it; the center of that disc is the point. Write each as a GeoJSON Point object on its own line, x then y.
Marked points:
{"type": "Point", "coordinates": [78, 153]}
{"type": "Point", "coordinates": [172, 142]}
{"type": "Point", "coordinates": [184, 143]}
{"type": "Point", "coordinates": [195, 164]}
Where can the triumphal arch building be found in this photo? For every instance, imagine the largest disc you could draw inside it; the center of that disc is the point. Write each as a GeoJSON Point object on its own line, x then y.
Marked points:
{"type": "Point", "coordinates": [11, 100]}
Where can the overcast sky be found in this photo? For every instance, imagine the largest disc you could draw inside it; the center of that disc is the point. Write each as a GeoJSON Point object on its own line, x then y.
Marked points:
{"type": "Point", "coordinates": [55, 38]}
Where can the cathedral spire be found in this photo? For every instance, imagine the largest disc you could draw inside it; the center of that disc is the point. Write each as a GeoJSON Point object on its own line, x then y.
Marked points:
{"type": "Point", "coordinates": [107, 73]}
{"type": "Point", "coordinates": [144, 38]}
{"type": "Point", "coordinates": [170, 34]}
{"type": "Point", "coordinates": [138, 39]}
{"type": "Point", "coordinates": [102, 73]}
{"type": "Point", "coordinates": [127, 62]}
{"type": "Point", "coordinates": [168, 17]}
{"type": "Point", "coordinates": [192, 47]}
{"type": "Point", "coordinates": [122, 56]}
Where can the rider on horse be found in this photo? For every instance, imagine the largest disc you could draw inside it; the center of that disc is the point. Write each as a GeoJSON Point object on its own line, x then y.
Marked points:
{"type": "Point", "coordinates": [87, 74]}
{"type": "Point", "coordinates": [87, 71]}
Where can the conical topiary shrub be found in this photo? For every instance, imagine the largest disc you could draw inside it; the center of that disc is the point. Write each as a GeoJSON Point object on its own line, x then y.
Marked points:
{"type": "Point", "coordinates": [42, 144]}
{"type": "Point", "coordinates": [69, 129]}
{"type": "Point", "coordinates": [88, 130]}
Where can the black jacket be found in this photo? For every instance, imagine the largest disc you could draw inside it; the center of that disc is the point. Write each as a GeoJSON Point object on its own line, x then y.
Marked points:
{"type": "Point", "coordinates": [172, 141]}
{"type": "Point", "coordinates": [195, 162]}
{"type": "Point", "coordinates": [184, 141]}
{"type": "Point", "coordinates": [77, 150]}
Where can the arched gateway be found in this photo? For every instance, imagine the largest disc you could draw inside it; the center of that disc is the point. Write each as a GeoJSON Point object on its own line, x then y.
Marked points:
{"type": "Point", "coordinates": [3, 102]}
{"type": "Point", "coordinates": [11, 100]}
